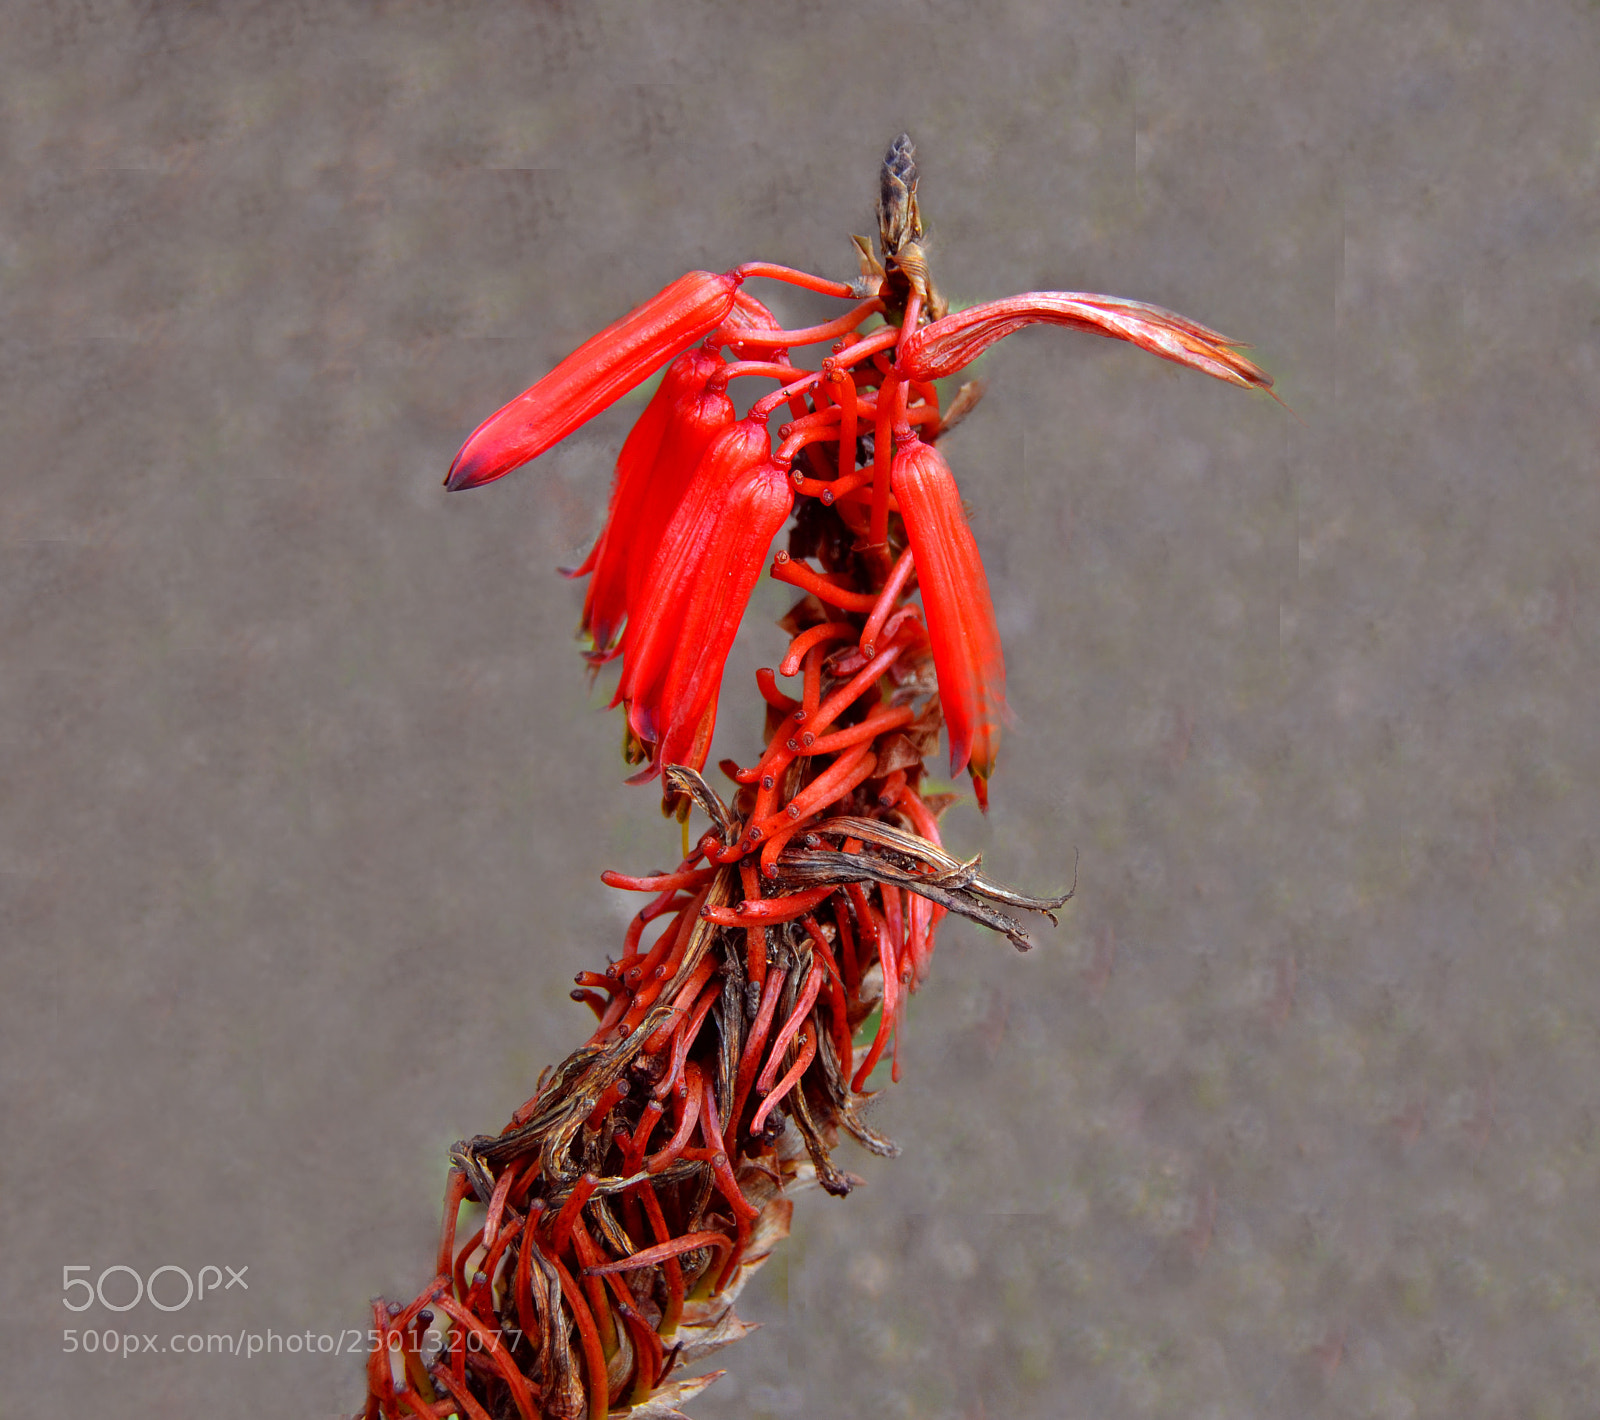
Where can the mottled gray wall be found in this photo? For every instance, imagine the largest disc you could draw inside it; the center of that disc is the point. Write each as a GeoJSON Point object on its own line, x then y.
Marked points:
{"type": "Point", "coordinates": [304, 799]}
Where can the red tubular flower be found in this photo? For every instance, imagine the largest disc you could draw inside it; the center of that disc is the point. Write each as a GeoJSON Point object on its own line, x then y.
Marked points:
{"type": "Point", "coordinates": [946, 345]}
{"type": "Point", "coordinates": [653, 470]}
{"type": "Point", "coordinates": [748, 511]}
{"type": "Point", "coordinates": [955, 595]}
{"type": "Point", "coordinates": [597, 373]}
{"type": "Point", "coordinates": [658, 614]}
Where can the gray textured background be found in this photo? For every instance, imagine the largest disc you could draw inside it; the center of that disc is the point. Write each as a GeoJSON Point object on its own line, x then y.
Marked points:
{"type": "Point", "coordinates": [304, 803]}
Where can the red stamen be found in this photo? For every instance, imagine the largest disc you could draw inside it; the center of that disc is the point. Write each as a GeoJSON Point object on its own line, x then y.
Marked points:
{"type": "Point", "coordinates": [755, 938]}
{"type": "Point", "coordinates": [688, 1116]}
{"type": "Point", "coordinates": [855, 687]}
{"type": "Point", "coordinates": [891, 992]}
{"type": "Point", "coordinates": [663, 882]}
{"type": "Point", "coordinates": [879, 1040]}
{"type": "Point", "coordinates": [497, 1206]}
{"type": "Point", "coordinates": [742, 369]}
{"type": "Point", "coordinates": [774, 845]}
{"type": "Point", "coordinates": [673, 1269]}
{"type": "Point", "coordinates": [456, 1189]}
{"type": "Point", "coordinates": [523, 1284]}
{"type": "Point", "coordinates": [594, 1356]}
{"type": "Point", "coordinates": [881, 339]}
{"type": "Point", "coordinates": [776, 755]}
{"type": "Point", "coordinates": [811, 686]}
{"type": "Point", "coordinates": [905, 979]}
{"type": "Point", "coordinates": [797, 574]}
{"type": "Point", "coordinates": [680, 1004]}
{"type": "Point", "coordinates": [847, 950]}
{"type": "Point", "coordinates": [769, 909]}
{"type": "Point", "coordinates": [380, 1377]}
{"type": "Point", "coordinates": [750, 1061]}
{"type": "Point", "coordinates": [815, 636]}
{"type": "Point", "coordinates": [919, 936]}
{"type": "Point", "coordinates": [838, 1006]}
{"type": "Point", "coordinates": [647, 1345]}
{"type": "Point", "coordinates": [686, 1036]}
{"type": "Point", "coordinates": [561, 1229]}
{"type": "Point", "coordinates": [767, 684]}
{"type": "Point", "coordinates": [891, 788]}
{"type": "Point", "coordinates": [494, 1349]}
{"type": "Point", "coordinates": [612, 1017]}
{"type": "Point", "coordinates": [869, 729]}
{"type": "Point", "coordinates": [891, 407]}
{"type": "Point", "coordinates": [459, 1396]}
{"type": "Point", "coordinates": [774, 272]}
{"type": "Point", "coordinates": [808, 1053]}
{"type": "Point", "coordinates": [811, 335]}
{"type": "Point", "coordinates": [853, 767]}
{"type": "Point", "coordinates": [891, 593]}
{"type": "Point", "coordinates": [633, 1151]}
{"type": "Point", "coordinates": [847, 423]}
{"type": "Point", "coordinates": [911, 803]}
{"type": "Point", "coordinates": [780, 1042]}
{"type": "Point", "coordinates": [650, 1256]}
{"type": "Point", "coordinates": [894, 917]}
{"type": "Point", "coordinates": [593, 1000]}
{"type": "Point", "coordinates": [769, 404]}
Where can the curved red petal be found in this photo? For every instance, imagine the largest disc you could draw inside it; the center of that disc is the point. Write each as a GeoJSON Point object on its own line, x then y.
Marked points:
{"type": "Point", "coordinates": [941, 348]}
{"type": "Point", "coordinates": [600, 371]}
{"type": "Point", "coordinates": [955, 596]}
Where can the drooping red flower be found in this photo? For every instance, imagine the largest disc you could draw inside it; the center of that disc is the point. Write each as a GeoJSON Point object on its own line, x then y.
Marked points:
{"type": "Point", "coordinates": [596, 374]}
{"type": "Point", "coordinates": [742, 515]}
{"type": "Point", "coordinates": [659, 616]}
{"type": "Point", "coordinates": [944, 346]}
{"type": "Point", "coordinates": [955, 597]}
{"type": "Point", "coordinates": [656, 463]}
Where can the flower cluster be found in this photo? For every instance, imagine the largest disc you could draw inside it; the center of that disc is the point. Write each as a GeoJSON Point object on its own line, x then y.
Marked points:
{"type": "Point", "coordinates": [743, 1023]}
{"type": "Point", "coordinates": [699, 495]}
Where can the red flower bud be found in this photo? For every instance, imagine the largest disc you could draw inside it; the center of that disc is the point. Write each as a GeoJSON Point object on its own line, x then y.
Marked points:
{"type": "Point", "coordinates": [955, 596]}
{"type": "Point", "coordinates": [746, 514]}
{"type": "Point", "coordinates": [657, 614]}
{"type": "Point", "coordinates": [598, 372]}
{"type": "Point", "coordinates": [653, 470]}
{"type": "Point", "coordinates": [945, 346]}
